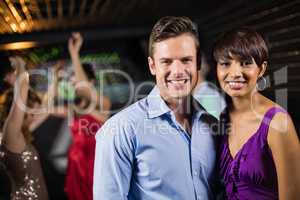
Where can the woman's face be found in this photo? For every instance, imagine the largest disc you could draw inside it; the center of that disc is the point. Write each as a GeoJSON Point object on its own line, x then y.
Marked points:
{"type": "Point", "coordinates": [238, 79]}
{"type": "Point", "coordinates": [10, 78]}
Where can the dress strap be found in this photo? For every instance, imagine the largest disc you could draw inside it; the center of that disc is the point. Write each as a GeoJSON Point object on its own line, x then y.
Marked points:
{"type": "Point", "coordinates": [269, 115]}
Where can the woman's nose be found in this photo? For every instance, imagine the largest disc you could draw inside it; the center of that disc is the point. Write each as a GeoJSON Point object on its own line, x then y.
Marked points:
{"type": "Point", "coordinates": [236, 69]}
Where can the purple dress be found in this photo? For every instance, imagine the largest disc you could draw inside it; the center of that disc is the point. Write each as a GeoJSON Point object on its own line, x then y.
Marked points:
{"type": "Point", "coordinates": [251, 174]}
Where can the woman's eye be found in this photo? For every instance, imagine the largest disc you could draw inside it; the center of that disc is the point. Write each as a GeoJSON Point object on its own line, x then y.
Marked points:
{"type": "Point", "coordinates": [247, 62]}
{"type": "Point", "coordinates": [224, 64]}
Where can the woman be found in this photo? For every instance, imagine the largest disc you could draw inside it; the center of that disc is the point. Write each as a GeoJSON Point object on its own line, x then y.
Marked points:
{"type": "Point", "coordinates": [17, 153]}
{"type": "Point", "coordinates": [90, 112]}
{"type": "Point", "coordinates": [259, 155]}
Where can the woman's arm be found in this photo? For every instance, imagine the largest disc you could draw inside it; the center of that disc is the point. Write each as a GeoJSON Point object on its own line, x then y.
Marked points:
{"type": "Point", "coordinates": [88, 90]}
{"type": "Point", "coordinates": [13, 138]}
{"type": "Point", "coordinates": [285, 147]}
{"type": "Point", "coordinates": [75, 43]}
{"type": "Point", "coordinates": [52, 92]}
{"type": "Point", "coordinates": [48, 106]}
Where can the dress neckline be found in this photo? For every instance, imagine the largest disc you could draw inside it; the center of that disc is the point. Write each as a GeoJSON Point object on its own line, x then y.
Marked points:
{"type": "Point", "coordinates": [248, 140]}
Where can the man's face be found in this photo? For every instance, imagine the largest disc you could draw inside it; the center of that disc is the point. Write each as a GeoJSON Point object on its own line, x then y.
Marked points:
{"type": "Point", "coordinates": [174, 63]}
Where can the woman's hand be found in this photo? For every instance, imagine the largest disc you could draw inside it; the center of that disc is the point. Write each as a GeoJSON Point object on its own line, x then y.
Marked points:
{"type": "Point", "coordinates": [18, 64]}
{"type": "Point", "coordinates": [75, 43]}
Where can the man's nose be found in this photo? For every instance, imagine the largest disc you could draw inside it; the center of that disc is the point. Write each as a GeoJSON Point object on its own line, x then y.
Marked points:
{"type": "Point", "coordinates": [177, 67]}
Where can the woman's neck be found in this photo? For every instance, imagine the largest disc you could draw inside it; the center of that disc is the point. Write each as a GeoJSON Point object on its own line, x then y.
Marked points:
{"type": "Point", "coordinates": [247, 103]}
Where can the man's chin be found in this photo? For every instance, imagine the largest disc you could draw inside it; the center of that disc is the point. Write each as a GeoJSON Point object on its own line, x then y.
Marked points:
{"type": "Point", "coordinates": [168, 93]}
{"type": "Point", "coordinates": [178, 94]}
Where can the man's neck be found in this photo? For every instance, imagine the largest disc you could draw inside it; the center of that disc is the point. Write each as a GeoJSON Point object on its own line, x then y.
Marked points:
{"type": "Point", "coordinates": [182, 109]}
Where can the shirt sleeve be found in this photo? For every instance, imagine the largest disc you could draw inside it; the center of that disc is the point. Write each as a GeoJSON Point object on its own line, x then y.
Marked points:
{"type": "Point", "coordinates": [113, 161]}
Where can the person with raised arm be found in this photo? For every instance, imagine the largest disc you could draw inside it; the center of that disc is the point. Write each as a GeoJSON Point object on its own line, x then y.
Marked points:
{"type": "Point", "coordinates": [79, 176]}
{"type": "Point", "coordinates": [19, 156]}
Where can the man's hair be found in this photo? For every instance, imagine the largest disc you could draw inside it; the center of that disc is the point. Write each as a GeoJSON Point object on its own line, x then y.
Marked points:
{"type": "Point", "coordinates": [243, 44]}
{"type": "Point", "coordinates": [170, 26]}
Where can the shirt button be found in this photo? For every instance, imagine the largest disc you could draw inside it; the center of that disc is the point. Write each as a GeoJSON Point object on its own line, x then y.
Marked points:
{"type": "Point", "coordinates": [198, 197]}
{"type": "Point", "coordinates": [195, 173]}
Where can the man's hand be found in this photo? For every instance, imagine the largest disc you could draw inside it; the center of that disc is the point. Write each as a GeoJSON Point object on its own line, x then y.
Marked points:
{"type": "Point", "coordinates": [75, 43]}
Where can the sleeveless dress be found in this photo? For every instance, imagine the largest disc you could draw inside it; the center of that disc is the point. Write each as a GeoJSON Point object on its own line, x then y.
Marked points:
{"type": "Point", "coordinates": [251, 174]}
{"type": "Point", "coordinates": [25, 173]}
{"type": "Point", "coordinates": [81, 155]}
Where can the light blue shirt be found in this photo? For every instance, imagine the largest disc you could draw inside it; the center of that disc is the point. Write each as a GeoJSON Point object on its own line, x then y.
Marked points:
{"type": "Point", "coordinates": [143, 153]}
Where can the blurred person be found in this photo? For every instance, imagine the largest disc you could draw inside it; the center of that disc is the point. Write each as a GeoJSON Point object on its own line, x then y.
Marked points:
{"type": "Point", "coordinates": [207, 93]}
{"type": "Point", "coordinates": [20, 158]}
{"type": "Point", "coordinates": [259, 155]}
{"type": "Point", "coordinates": [7, 80]}
{"type": "Point", "coordinates": [79, 175]}
{"type": "Point", "coordinates": [55, 105]}
{"type": "Point", "coordinates": [161, 147]}
{"type": "Point", "coordinates": [7, 74]}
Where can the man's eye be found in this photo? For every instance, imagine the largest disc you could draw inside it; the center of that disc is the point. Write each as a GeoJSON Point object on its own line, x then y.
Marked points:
{"type": "Point", "coordinates": [186, 60]}
{"type": "Point", "coordinates": [166, 62]}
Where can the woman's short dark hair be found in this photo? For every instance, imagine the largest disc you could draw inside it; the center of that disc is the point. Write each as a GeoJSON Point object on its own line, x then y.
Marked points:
{"type": "Point", "coordinates": [170, 26]}
{"type": "Point", "coordinates": [243, 44]}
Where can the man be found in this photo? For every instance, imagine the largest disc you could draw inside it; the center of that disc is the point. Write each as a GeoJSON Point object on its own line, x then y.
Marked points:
{"type": "Point", "coordinates": [161, 147]}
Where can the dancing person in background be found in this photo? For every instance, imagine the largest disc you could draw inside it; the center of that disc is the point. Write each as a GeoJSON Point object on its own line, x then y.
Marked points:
{"type": "Point", "coordinates": [259, 155]}
{"type": "Point", "coordinates": [19, 156]}
{"type": "Point", "coordinates": [79, 175]}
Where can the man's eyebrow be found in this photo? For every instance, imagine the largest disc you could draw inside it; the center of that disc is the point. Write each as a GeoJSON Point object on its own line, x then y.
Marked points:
{"type": "Point", "coordinates": [184, 57]}
{"type": "Point", "coordinates": [187, 57]}
{"type": "Point", "coordinates": [163, 59]}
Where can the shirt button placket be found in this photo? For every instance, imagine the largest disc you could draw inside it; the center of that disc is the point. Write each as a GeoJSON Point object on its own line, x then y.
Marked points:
{"type": "Point", "coordinates": [199, 197]}
{"type": "Point", "coordinates": [195, 173]}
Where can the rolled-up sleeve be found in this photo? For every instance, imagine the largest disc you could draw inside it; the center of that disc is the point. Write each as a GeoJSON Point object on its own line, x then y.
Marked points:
{"type": "Point", "coordinates": [113, 161]}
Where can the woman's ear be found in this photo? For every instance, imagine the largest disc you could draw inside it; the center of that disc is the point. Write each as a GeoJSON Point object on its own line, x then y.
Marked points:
{"type": "Point", "coordinates": [263, 68]}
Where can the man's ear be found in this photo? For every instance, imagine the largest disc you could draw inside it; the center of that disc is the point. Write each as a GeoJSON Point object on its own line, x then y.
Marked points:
{"type": "Point", "coordinates": [263, 68]}
{"type": "Point", "coordinates": [151, 65]}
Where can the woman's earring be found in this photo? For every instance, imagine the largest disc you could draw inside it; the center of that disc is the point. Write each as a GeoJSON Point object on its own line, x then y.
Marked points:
{"type": "Point", "coordinates": [261, 84]}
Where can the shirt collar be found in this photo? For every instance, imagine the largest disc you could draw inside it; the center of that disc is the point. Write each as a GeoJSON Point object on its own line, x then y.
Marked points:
{"type": "Point", "coordinates": [199, 109]}
{"type": "Point", "coordinates": [157, 106]}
